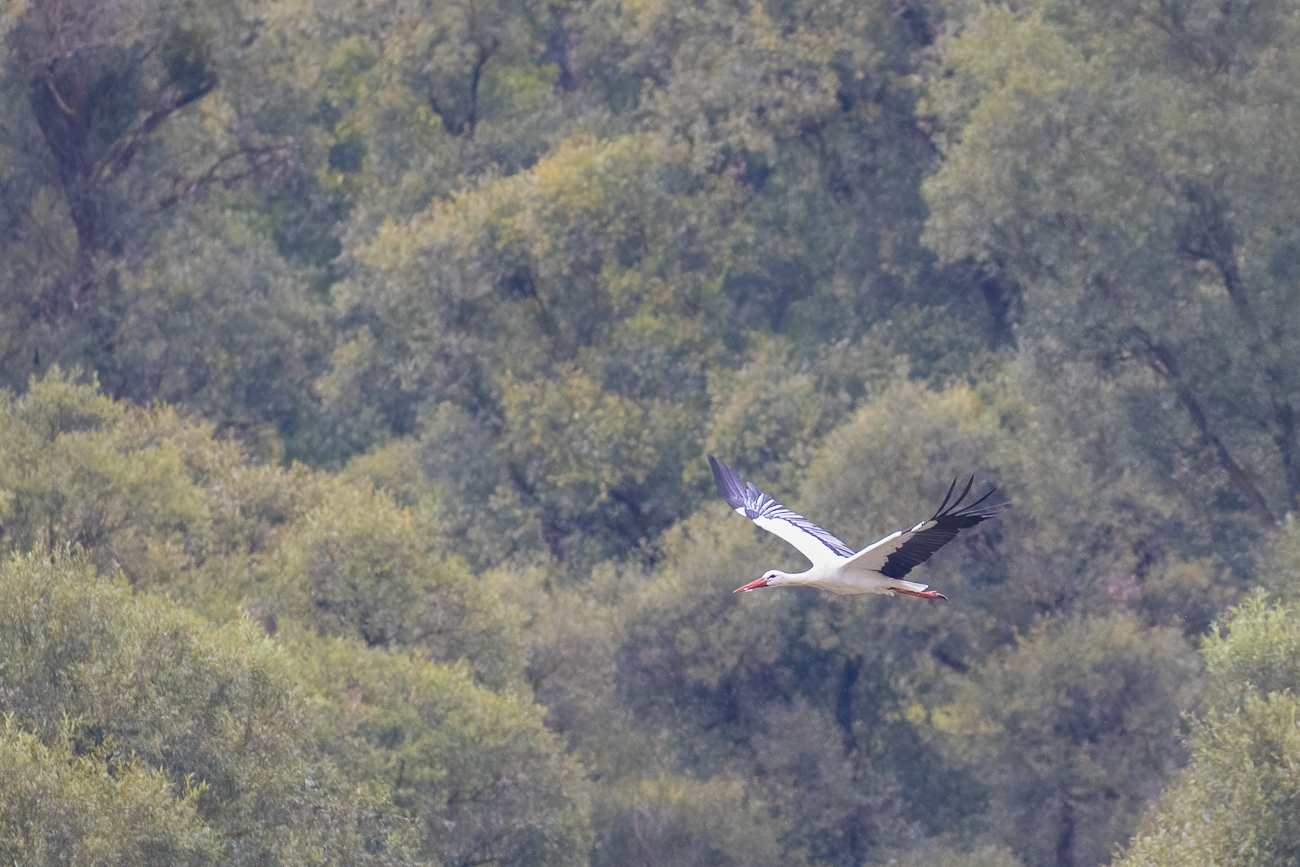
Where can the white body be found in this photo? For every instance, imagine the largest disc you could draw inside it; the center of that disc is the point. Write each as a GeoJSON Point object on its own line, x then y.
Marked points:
{"type": "Point", "coordinates": [836, 572]}
{"type": "Point", "coordinates": [877, 568]}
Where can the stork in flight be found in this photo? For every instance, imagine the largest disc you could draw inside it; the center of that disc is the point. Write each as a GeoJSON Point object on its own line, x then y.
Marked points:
{"type": "Point", "coordinates": [877, 568]}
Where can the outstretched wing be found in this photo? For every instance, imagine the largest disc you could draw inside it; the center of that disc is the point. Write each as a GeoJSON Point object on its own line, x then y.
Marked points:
{"type": "Point", "coordinates": [898, 553]}
{"type": "Point", "coordinates": [812, 541]}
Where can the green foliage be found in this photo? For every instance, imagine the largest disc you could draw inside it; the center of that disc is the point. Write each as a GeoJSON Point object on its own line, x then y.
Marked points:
{"type": "Point", "coordinates": [833, 708]}
{"type": "Point", "coordinates": [1118, 164]}
{"type": "Point", "coordinates": [809, 106]}
{"type": "Point", "coordinates": [77, 471]}
{"type": "Point", "coordinates": [1280, 569]}
{"type": "Point", "coordinates": [219, 320]}
{"type": "Point", "coordinates": [771, 411]}
{"type": "Point", "coordinates": [140, 490]}
{"type": "Point", "coordinates": [359, 565]}
{"type": "Point", "coordinates": [452, 770]}
{"type": "Point", "coordinates": [590, 459]}
{"type": "Point", "coordinates": [1236, 801]}
{"type": "Point", "coordinates": [1251, 653]}
{"type": "Point", "coordinates": [141, 684]}
{"type": "Point", "coordinates": [818, 692]}
{"type": "Point", "coordinates": [547, 300]}
{"type": "Point", "coordinates": [1070, 730]}
{"type": "Point", "coordinates": [129, 152]}
{"type": "Point", "coordinates": [501, 275]}
{"type": "Point", "coordinates": [984, 855]}
{"type": "Point", "coordinates": [181, 513]}
{"type": "Point", "coordinates": [681, 821]}
{"type": "Point", "coordinates": [474, 772]}
{"type": "Point", "coordinates": [61, 806]}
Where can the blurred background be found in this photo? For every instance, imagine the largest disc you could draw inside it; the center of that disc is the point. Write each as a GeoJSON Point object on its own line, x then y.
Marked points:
{"type": "Point", "coordinates": [362, 359]}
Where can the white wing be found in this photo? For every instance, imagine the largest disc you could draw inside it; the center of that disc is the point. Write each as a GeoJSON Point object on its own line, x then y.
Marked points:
{"type": "Point", "coordinates": [812, 541]}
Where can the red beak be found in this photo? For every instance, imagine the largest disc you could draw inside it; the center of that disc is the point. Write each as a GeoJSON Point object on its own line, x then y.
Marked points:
{"type": "Point", "coordinates": [752, 585]}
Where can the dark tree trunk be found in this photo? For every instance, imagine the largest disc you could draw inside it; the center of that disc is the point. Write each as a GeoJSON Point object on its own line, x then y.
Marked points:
{"type": "Point", "coordinates": [844, 702]}
{"type": "Point", "coordinates": [1065, 835]}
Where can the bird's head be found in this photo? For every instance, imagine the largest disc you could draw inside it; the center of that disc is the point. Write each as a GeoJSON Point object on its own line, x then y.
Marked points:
{"type": "Point", "coordinates": [772, 577]}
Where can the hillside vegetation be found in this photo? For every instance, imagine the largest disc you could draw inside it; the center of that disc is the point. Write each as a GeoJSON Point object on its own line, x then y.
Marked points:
{"type": "Point", "coordinates": [360, 362]}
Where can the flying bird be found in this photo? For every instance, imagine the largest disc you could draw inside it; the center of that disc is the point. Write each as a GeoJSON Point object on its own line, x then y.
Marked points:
{"type": "Point", "coordinates": [877, 568]}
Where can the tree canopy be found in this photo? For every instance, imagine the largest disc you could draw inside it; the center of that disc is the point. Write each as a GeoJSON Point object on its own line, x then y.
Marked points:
{"type": "Point", "coordinates": [360, 363]}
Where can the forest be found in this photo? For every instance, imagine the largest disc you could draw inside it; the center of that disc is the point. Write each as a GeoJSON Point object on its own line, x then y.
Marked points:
{"type": "Point", "coordinates": [360, 361]}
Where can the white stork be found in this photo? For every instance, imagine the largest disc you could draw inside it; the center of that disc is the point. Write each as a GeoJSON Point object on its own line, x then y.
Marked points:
{"type": "Point", "coordinates": [877, 568]}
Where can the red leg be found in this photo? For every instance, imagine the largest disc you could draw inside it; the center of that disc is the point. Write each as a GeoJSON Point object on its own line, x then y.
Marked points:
{"type": "Point", "coordinates": [921, 594]}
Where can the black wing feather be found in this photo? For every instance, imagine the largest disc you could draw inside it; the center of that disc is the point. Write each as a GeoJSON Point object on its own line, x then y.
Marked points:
{"type": "Point", "coordinates": [941, 529]}
{"type": "Point", "coordinates": [729, 484]}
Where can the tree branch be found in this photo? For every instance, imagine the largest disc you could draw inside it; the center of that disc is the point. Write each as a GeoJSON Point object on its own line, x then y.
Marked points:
{"type": "Point", "coordinates": [1214, 241]}
{"type": "Point", "coordinates": [258, 158]}
{"type": "Point", "coordinates": [1164, 364]}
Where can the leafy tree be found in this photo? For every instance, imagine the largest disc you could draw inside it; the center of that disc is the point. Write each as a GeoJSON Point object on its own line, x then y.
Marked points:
{"type": "Point", "coordinates": [100, 91]}
{"type": "Point", "coordinates": [1236, 801]}
{"type": "Point", "coordinates": [539, 302]}
{"type": "Point", "coordinates": [1280, 563]}
{"type": "Point", "coordinates": [778, 692]}
{"type": "Point", "coordinates": [183, 514]}
{"type": "Point", "coordinates": [59, 805]}
{"type": "Point", "coordinates": [213, 708]}
{"type": "Point", "coordinates": [142, 243]}
{"type": "Point", "coordinates": [361, 566]}
{"type": "Point", "coordinates": [980, 855]}
{"type": "Point", "coordinates": [1071, 732]}
{"type": "Point", "coordinates": [100, 79]}
{"type": "Point", "coordinates": [219, 322]}
{"type": "Point", "coordinates": [509, 271]}
{"type": "Point", "coordinates": [74, 475]}
{"type": "Point", "coordinates": [771, 413]}
{"type": "Point", "coordinates": [1082, 535]}
{"type": "Point", "coordinates": [1117, 161]}
{"type": "Point", "coordinates": [396, 105]}
{"type": "Point", "coordinates": [683, 821]}
{"type": "Point", "coordinates": [446, 49]}
{"type": "Point", "coordinates": [613, 274]}
{"type": "Point", "coordinates": [835, 710]}
{"type": "Point", "coordinates": [475, 773]}
{"type": "Point", "coordinates": [142, 490]}
{"type": "Point", "coordinates": [810, 107]}
{"type": "Point", "coordinates": [453, 769]}
{"type": "Point", "coordinates": [810, 697]}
